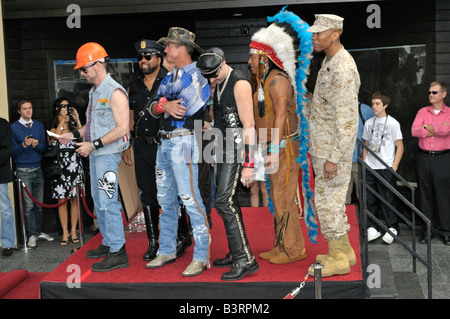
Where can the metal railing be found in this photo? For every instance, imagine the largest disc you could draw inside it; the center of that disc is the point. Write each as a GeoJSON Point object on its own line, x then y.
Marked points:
{"type": "Point", "coordinates": [409, 203]}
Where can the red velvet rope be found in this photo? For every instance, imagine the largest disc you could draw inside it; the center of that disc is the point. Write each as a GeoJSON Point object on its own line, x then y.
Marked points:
{"type": "Point", "coordinates": [43, 205]}
{"type": "Point", "coordinates": [60, 204]}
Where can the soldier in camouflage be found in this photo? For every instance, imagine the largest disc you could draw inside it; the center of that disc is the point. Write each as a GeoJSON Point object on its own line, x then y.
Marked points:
{"type": "Point", "coordinates": [333, 121]}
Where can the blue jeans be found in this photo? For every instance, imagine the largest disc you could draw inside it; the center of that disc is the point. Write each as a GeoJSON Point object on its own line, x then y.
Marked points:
{"type": "Point", "coordinates": [34, 182]}
{"type": "Point", "coordinates": [104, 190]}
{"type": "Point", "coordinates": [8, 229]}
{"type": "Point", "coordinates": [177, 176]}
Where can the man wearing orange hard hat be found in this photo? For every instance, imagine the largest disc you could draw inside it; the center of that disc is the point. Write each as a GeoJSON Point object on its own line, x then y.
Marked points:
{"type": "Point", "coordinates": [105, 136]}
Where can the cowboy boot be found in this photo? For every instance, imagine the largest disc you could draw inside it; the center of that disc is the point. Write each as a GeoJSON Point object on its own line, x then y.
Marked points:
{"type": "Point", "coordinates": [184, 236]}
{"type": "Point", "coordinates": [243, 261]}
{"type": "Point", "coordinates": [349, 252]}
{"type": "Point", "coordinates": [151, 216]}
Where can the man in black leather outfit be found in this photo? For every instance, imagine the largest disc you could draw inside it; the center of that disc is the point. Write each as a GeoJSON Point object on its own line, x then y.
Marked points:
{"type": "Point", "coordinates": [142, 90]}
{"type": "Point", "coordinates": [233, 111]}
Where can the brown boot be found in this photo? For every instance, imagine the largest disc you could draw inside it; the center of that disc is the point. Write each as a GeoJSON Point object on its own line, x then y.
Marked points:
{"type": "Point", "coordinates": [271, 253]}
{"type": "Point", "coordinates": [336, 262]}
{"type": "Point", "coordinates": [349, 252]}
{"type": "Point", "coordinates": [283, 258]}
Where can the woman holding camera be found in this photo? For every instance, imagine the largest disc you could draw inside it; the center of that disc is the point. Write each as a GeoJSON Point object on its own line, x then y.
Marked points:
{"type": "Point", "coordinates": [66, 119]}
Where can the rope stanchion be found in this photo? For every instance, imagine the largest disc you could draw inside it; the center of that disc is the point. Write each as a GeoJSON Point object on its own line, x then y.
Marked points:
{"type": "Point", "coordinates": [80, 218]}
{"type": "Point", "coordinates": [83, 197]}
{"type": "Point", "coordinates": [22, 215]}
{"type": "Point", "coordinates": [41, 204]}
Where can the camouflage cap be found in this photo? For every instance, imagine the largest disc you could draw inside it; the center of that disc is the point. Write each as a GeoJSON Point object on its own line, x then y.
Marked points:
{"type": "Point", "coordinates": [181, 36]}
{"type": "Point", "coordinates": [324, 22]}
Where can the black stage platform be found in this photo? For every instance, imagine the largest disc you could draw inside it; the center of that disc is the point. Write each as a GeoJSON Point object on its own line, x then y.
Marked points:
{"type": "Point", "coordinates": [74, 279]}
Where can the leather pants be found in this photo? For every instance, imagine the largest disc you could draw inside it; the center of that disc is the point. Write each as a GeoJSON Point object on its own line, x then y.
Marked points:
{"type": "Point", "coordinates": [226, 202]}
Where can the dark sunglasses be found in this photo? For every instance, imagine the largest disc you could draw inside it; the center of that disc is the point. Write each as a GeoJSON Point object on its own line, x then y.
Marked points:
{"type": "Point", "coordinates": [433, 92]}
{"type": "Point", "coordinates": [211, 76]}
{"type": "Point", "coordinates": [84, 69]}
{"type": "Point", "coordinates": [64, 105]}
{"type": "Point", "coordinates": [148, 57]}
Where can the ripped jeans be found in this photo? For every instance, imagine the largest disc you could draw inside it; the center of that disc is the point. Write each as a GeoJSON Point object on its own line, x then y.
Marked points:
{"type": "Point", "coordinates": [177, 176]}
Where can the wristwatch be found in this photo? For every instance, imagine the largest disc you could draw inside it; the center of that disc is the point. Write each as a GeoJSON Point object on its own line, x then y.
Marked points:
{"type": "Point", "coordinates": [96, 144]}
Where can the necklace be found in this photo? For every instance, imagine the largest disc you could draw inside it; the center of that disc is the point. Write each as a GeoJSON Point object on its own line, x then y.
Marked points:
{"type": "Point", "coordinates": [220, 91]}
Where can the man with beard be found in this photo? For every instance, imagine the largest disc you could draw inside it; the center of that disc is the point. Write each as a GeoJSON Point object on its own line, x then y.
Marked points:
{"type": "Point", "coordinates": [141, 90]}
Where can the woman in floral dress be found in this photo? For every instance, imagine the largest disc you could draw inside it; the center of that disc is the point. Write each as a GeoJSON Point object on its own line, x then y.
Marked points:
{"type": "Point", "coordinates": [65, 120]}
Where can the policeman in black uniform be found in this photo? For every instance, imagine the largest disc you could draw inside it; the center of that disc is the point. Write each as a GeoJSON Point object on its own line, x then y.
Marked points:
{"type": "Point", "coordinates": [144, 129]}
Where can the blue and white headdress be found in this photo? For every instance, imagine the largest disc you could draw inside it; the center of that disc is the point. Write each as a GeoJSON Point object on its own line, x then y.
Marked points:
{"type": "Point", "coordinates": [289, 45]}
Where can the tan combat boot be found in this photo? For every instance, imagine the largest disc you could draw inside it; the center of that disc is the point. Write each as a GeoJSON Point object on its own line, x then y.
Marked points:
{"type": "Point", "coordinates": [349, 252]}
{"type": "Point", "coordinates": [336, 262]}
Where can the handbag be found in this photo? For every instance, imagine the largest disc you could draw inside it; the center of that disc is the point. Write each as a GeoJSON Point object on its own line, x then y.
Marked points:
{"type": "Point", "coordinates": [51, 162]}
{"type": "Point", "coordinates": [52, 150]}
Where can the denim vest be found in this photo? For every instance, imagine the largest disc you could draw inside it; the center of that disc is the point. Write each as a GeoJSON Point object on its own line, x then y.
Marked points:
{"type": "Point", "coordinates": [102, 119]}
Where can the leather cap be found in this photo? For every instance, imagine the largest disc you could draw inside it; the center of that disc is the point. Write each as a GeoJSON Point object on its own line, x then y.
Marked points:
{"type": "Point", "coordinates": [210, 62]}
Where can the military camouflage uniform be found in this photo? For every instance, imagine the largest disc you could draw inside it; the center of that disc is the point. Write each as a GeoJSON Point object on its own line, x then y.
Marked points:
{"type": "Point", "coordinates": [333, 122]}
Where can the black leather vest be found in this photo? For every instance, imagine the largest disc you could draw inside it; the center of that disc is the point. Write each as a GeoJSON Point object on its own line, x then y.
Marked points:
{"type": "Point", "coordinates": [226, 114]}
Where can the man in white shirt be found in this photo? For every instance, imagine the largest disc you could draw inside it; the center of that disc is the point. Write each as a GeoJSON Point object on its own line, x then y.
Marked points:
{"type": "Point", "coordinates": [383, 136]}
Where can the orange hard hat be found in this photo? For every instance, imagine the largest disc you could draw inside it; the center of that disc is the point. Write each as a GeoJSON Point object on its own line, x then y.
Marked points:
{"type": "Point", "coordinates": [89, 52]}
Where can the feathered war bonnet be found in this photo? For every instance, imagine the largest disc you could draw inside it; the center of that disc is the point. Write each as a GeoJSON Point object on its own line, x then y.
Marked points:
{"type": "Point", "coordinates": [288, 44]}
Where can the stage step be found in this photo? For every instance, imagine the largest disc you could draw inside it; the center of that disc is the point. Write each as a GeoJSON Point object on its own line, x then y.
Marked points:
{"type": "Point", "coordinates": [408, 285]}
{"type": "Point", "coordinates": [391, 285]}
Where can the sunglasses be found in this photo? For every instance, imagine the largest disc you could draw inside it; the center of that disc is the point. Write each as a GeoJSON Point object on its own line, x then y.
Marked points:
{"type": "Point", "coordinates": [64, 105]}
{"type": "Point", "coordinates": [148, 57]}
{"type": "Point", "coordinates": [433, 92]}
{"type": "Point", "coordinates": [84, 69]}
{"type": "Point", "coordinates": [211, 76]}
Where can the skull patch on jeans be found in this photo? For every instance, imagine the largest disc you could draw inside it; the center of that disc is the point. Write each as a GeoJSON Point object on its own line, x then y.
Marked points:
{"type": "Point", "coordinates": [107, 183]}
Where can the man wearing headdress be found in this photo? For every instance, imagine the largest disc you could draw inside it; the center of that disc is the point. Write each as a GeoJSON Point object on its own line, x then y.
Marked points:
{"type": "Point", "coordinates": [333, 123]}
{"type": "Point", "coordinates": [273, 56]}
{"type": "Point", "coordinates": [181, 99]}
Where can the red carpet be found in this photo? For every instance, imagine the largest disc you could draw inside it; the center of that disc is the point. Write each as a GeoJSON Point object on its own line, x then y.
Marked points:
{"type": "Point", "coordinates": [20, 284]}
{"type": "Point", "coordinates": [259, 226]}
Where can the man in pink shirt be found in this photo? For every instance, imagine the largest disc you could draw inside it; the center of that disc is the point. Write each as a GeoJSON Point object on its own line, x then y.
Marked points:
{"type": "Point", "coordinates": [432, 127]}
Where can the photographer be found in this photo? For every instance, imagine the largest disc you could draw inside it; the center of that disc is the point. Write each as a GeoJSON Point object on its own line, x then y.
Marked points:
{"type": "Point", "coordinates": [65, 120]}
{"type": "Point", "coordinates": [383, 136]}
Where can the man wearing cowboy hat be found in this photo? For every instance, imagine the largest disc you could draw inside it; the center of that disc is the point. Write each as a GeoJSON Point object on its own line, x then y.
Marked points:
{"type": "Point", "coordinates": [333, 123]}
{"type": "Point", "coordinates": [181, 100]}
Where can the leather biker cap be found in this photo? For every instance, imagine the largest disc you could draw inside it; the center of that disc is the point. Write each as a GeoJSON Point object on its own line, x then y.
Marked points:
{"type": "Point", "coordinates": [210, 62]}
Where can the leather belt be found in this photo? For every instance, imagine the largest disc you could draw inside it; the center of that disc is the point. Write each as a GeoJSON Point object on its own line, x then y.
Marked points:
{"type": "Point", "coordinates": [148, 139]}
{"type": "Point", "coordinates": [433, 153]}
{"type": "Point", "coordinates": [169, 135]}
